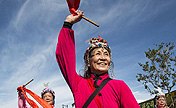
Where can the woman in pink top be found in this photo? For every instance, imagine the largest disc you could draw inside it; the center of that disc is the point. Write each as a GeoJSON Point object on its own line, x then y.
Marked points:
{"type": "Point", "coordinates": [115, 94]}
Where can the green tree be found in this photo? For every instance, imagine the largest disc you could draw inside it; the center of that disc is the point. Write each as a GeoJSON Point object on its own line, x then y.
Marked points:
{"type": "Point", "coordinates": [159, 69]}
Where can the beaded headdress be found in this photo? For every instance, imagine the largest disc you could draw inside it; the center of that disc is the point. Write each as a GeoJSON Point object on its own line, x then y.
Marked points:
{"type": "Point", "coordinates": [159, 93]}
{"type": "Point", "coordinates": [96, 43]}
{"type": "Point", "coordinates": [46, 90]}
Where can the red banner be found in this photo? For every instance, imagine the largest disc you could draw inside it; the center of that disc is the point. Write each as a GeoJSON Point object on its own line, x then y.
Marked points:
{"type": "Point", "coordinates": [92, 88]}
{"type": "Point", "coordinates": [73, 5]}
{"type": "Point", "coordinates": [43, 103]}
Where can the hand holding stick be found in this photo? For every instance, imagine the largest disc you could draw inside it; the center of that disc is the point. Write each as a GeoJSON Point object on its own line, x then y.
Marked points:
{"type": "Point", "coordinates": [19, 88]}
{"type": "Point", "coordinates": [77, 16]}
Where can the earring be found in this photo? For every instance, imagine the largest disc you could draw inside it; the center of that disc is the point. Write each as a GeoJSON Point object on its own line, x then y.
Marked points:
{"type": "Point", "coordinates": [111, 69]}
{"type": "Point", "coordinates": [88, 63]}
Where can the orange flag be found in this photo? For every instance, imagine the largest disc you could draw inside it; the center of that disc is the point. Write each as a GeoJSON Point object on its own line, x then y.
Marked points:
{"type": "Point", "coordinates": [43, 103]}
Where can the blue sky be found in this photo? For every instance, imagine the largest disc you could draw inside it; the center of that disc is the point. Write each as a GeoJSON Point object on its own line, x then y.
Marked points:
{"type": "Point", "coordinates": [29, 31]}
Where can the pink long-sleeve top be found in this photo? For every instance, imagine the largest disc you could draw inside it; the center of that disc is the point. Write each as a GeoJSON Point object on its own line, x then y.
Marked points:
{"type": "Point", "coordinates": [22, 101]}
{"type": "Point", "coordinates": [115, 94]}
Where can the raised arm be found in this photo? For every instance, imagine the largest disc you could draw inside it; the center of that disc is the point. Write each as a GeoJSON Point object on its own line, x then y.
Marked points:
{"type": "Point", "coordinates": [65, 51]}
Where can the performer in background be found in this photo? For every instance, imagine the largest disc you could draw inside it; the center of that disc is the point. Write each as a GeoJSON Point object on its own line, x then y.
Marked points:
{"type": "Point", "coordinates": [160, 99]}
{"type": "Point", "coordinates": [47, 95]}
{"type": "Point", "coordinates": [115, 94]}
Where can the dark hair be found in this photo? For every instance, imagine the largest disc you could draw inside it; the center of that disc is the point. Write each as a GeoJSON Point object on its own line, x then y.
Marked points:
{"type": "Point", "coordinates": [87, 73]}
{"type": "Point", "coordinates": [48, 92]}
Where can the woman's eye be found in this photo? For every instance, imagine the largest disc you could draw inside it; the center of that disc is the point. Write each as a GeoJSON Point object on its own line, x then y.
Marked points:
{"type": "Point", "coordinates": [106, 54]}
{"type": "Point", "coordinates": [97, 53]}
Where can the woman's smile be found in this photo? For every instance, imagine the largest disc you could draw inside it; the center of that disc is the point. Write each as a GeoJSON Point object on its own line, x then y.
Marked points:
{"type": "Point", "coordinates": [99, 61]}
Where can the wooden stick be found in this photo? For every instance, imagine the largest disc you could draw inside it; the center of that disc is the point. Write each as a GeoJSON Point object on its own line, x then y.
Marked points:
{"type": "Point", "coordinates": [90, 21]}
{"type": "Point", "coordinates": [28, 82]}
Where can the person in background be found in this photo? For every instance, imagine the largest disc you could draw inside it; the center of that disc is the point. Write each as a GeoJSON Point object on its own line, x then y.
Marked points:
{"type": "Point", "coordinates": [98, 64]}
{"type": "Point", "coordinates": [160, 99]}
{"type": "Point", "coordinates": [47, 95]}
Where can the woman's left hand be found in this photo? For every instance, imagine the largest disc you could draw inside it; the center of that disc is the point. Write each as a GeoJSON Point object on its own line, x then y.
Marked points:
{"type": "Point", "coordinates": [75, 18]}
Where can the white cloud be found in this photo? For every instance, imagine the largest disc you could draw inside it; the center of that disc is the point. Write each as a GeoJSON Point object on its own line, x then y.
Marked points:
{"type": "Point", "coordinates": [142, 96]}
{"type": "Point", "coordinates": [37, 12]}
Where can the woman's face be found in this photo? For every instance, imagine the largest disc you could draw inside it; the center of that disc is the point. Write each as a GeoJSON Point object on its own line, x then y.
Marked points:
{"type": "Point", "coordinates": [161, 102]}
{"type": "Point", "coordinates": [48, 97]}
{"type": "Point", "coordinates": [99, 61]}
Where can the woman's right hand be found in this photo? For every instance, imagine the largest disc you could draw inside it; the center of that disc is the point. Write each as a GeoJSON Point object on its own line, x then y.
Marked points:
{"type": "Point", "coordinates": [74, 18]}
{"type": "Point", "coordinates": [20, 93]}
{"type": "Point", "coordinates": [19, 88]}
